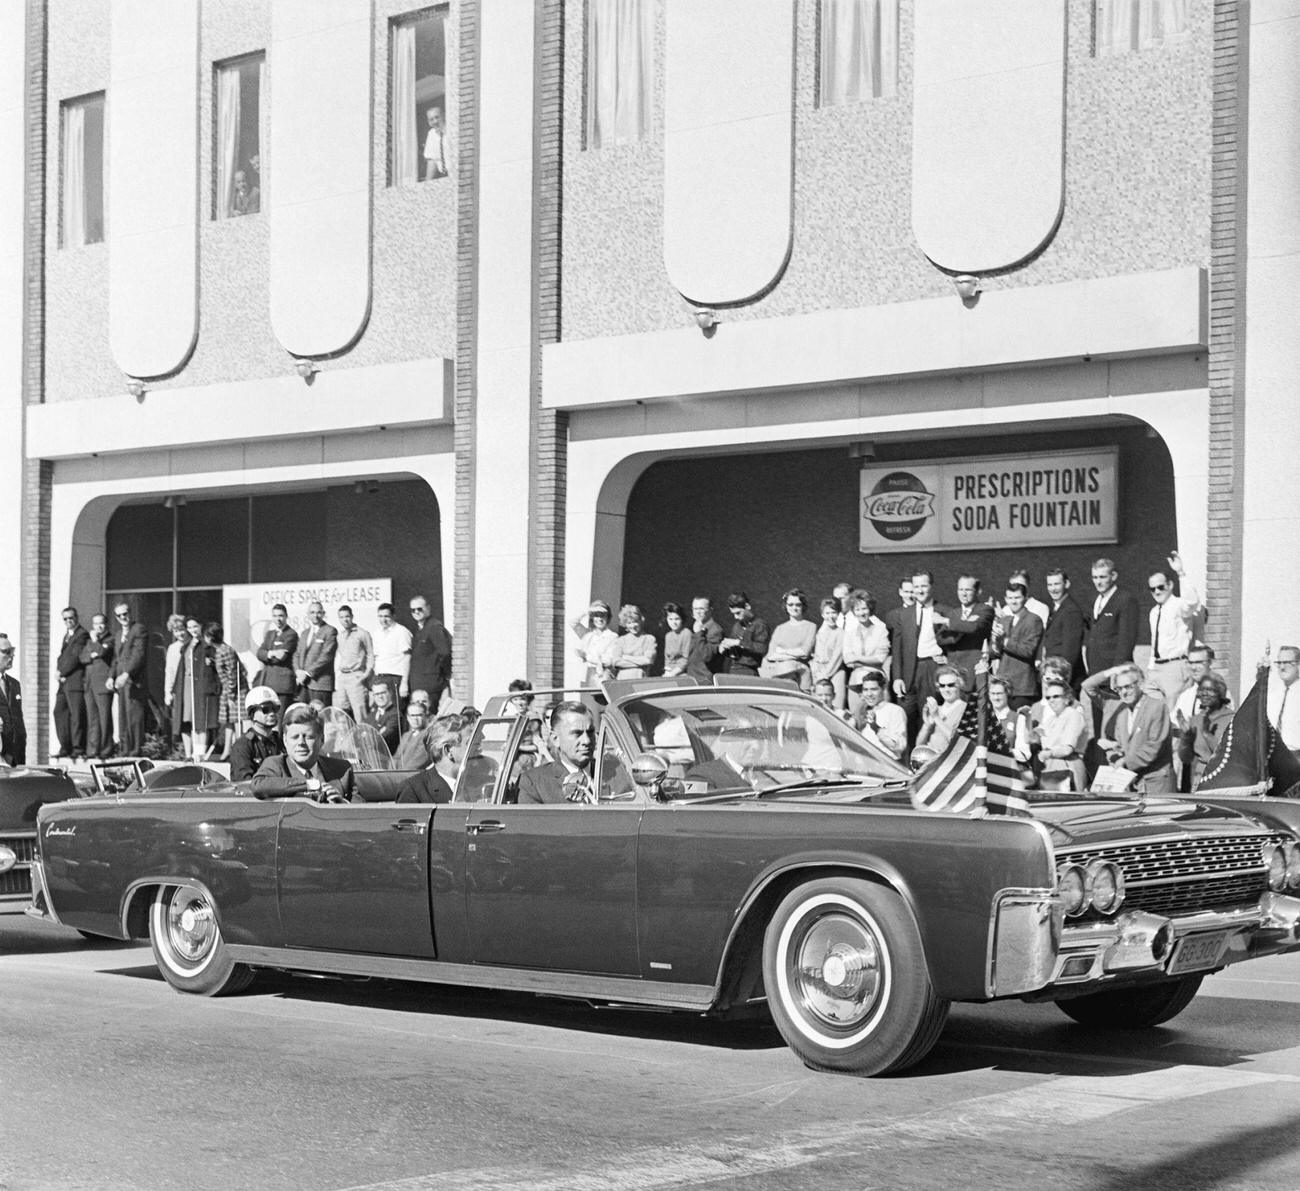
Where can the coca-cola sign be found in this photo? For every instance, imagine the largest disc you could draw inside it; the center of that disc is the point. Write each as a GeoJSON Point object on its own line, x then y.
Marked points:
{"type": "Point", "coordinates": [1058, 497]}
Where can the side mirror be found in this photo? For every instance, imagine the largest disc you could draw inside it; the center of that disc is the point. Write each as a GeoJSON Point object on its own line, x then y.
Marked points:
{"type": "Point", "coordinates": [649, 772]}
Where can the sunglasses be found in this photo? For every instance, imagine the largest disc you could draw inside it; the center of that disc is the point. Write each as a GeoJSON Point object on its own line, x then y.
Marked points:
{"type": "Point", "coordinates": [947, 686]}
{"type": "Point", "coordinates": [1158, 587]}
{"type": "Point", "coordinates": [265, 708]}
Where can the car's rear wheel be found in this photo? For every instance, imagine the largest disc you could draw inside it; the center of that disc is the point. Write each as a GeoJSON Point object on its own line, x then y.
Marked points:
{"type": "Point", "coordinates": [187, 944]}
{"type": "Point", "coordinates": [1133, 1008]}
{"type": "Point", "coordinates": [846, 978]}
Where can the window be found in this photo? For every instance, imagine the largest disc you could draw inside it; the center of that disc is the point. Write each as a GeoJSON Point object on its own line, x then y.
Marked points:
{"type": "Point", "coordinates": [619, 81]}
{"type": "Point", "coordinates": [859, 51]}
{"type": "Point", "coordinates": [418, 149]}
{"type": "Point", "coordinates": [1126, 26]}
{"type": "Point", "coordinates": [83, 171]}
{"type": "Point", "coordinates": [238, 150]}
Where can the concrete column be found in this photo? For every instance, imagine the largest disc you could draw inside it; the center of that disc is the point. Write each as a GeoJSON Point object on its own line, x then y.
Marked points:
{"type": "Point", "coordinates": [1270, 579]}
{"type": "Point", "coordinates": [503, 364]}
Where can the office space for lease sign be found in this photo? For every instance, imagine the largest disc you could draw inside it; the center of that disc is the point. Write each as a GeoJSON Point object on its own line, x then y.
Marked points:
{"type": "Point", "coordinates": [1062, 498]}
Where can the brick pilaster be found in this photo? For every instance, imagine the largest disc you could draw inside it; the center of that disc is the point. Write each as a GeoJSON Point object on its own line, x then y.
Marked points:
{"type": "Point", "coordinates": [467, 170]}
{"type": "Point", "coordinates": [549, 428]}
{"type": "Point", "coordinates": [38, 476]}
{"type": "Point", "coordinates": [1226, 337]}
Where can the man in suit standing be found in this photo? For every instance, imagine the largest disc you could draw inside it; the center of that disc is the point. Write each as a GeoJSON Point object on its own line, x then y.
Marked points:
{"type": "Point", "coordinates": [969, 627]}
{"type": "Point", "coordinates": [127, 680]}
{"type": "Point", "coordinates": [302, 769]}
{"type": "Point", "coordinates": [1135, 733]}
{"type": "Point", "coordinates": [276, 655]}
{"type": "Point", "coordinates": [13, 728]}
{"type": "Point", "coordinates": [705, 658]}
{"type": "Point", "coordinates": [916, 654]}
{"type": "Point", "coordinates": [313, 660]}
{"type": "Point", "coordinates": [1016, 638]}
{"type": "Point", "coordinates": [430, 653]}
{"type": "Point", "coordinates": [571, 777]}
{"type": "Point", "coordinates": [97, 659]}
{"type": "Point", "coordinates": [69, 702]}
{"type": "Point", "coordinates": [1112, 629]}
{"type": "Point", "coordinates": [1064, 630]}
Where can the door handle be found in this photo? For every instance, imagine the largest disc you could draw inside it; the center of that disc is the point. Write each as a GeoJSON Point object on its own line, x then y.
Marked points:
{"type": "Point", "coordinates": [408, 825]}
{"type": "Point", "coordinates": [485, 826]}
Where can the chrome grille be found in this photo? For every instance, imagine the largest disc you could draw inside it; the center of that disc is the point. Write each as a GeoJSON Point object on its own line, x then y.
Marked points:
{"type": "Point", "coordinates": [22, 846]}
{"type": "Point", "coordinates": [16, 881]}
{"type": "Point", "coordinates": [1182, 876]}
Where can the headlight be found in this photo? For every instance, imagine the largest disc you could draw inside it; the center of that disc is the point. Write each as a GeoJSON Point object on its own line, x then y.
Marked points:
{"type": "Point", "coordinates": [1292, 865]}
{"type": "Point", "coordinates": [1105, 886]}
{"type": "Point", "coordinates": [1072, 887]}
{"type": "Point", "coordinates": [1274, 857]}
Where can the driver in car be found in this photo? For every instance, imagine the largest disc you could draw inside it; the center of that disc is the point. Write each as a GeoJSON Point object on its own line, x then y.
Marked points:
{"type": "Point", "coordinates": [303, 770]}
{"type": "Point", "coordinates": [739, 749]}
{"type": "Point", "coordinates": [571, 777]}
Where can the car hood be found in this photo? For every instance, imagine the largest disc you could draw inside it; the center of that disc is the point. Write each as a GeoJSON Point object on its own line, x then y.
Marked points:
{"type": "Point", "coordinates": [1079, 822]}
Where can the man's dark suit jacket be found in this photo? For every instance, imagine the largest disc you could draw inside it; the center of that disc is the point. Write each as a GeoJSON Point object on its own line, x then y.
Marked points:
{"type": "Point", "coordinates": [97, 657]}
{"type": "Point", "coordinates": [279, 777]}
{"type": "Point", "coordinates": [716, 774]}
{"type": "Point", "coordinates": [130, 656]}
{"type": "Point", "coordinates": [317, 658]}
{"type": "Point", "coordinates": [426, 786]}
{"type": "Point", "coordinates": [904, 633]}
{"type": "Point", "coordinates": [279, 675]}
{"type": "Point", "coordinates": [71, 669]}
{"type": "Point", "coordinates": [963, 640]}
{"type": "Point", "coordinates": [1019, 651]}
{"type": "Point", "coordinates": [1112, 637]}
{"type": "Point", "coordinates": [13, 736]}
{"type": "Point", "coordinates": [545, 783]}
{"type": "Point", "coordinates": [430, 659]}
{"type": "Point", "coordinates": [704, 660]}
{"type": "Point", "coordinates": [1063, 636]}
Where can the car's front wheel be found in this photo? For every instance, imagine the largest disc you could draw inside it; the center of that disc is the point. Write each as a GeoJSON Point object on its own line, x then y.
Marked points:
{"type": "Point", "coordinates": [846, 978]}
{"type": "Point", "coordinates": [187, 944]}
{"type": "Point", "coordinates": [1133, 1008]}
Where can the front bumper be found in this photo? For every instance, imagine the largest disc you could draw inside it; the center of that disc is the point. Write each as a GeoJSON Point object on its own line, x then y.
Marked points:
{"type": "Point", "coordinates": [1034, 950]}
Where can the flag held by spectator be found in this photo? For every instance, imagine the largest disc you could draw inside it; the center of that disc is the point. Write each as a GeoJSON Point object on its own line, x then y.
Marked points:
{"type": "Point", "coordinates": [1250, 755]}
{"type": "Point", "coordinates": [971, 774]}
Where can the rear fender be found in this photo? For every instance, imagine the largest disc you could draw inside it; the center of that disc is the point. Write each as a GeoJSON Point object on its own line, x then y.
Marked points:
{"type": "Point", "coordinates": [140, 895]}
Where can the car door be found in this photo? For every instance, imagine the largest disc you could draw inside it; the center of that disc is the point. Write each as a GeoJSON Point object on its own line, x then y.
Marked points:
{"type": "Point", "coordinates": [355, 877]}
{"type": "Point", "coordinates": [554, 886]}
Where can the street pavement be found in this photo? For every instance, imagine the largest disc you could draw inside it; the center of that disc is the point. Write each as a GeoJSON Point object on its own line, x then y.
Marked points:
{"type": "Point", "coordinates": [109, 1078]}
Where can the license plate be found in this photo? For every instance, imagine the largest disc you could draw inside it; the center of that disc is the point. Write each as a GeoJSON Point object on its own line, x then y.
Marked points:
{"type": "Point", "coordinates": [1197, 952]}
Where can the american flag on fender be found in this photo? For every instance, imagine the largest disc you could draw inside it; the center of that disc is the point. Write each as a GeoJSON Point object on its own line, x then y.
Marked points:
{"type": "Point", "coordinates": [968, 775]}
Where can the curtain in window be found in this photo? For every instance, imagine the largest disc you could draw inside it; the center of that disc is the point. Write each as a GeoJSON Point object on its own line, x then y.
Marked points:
{"type": "Point", "coordinates": [228, 112]}
{"type": "Point", "coordinates": [859, 50]}
{"type": "Point", "coordinates": [1124, 26]}
{"type": "Point", "coordinates": [620, 42]}
{"type": "Point", "coordinates": [74, 175]}
{"type": "Point", "coordinates": [406, 149]}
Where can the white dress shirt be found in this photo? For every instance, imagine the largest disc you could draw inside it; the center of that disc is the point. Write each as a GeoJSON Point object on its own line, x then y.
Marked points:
{"type": "Point", "coordinates": [926, 644]}
{"type": "Point", "coordinates": [1284, 710]}
{"type": "Point", "coordinates": [393, 651]}
{"type": "Point", "coordinates": [1173, 623]}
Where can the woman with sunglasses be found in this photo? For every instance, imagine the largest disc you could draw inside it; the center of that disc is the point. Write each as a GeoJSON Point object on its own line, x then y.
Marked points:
{"type": "Point", "coordinates": [1062, 736]}
{"type": "Point", "coordinates": [941, 717]}
{"type": "Point", "coordinates": [262, 740]}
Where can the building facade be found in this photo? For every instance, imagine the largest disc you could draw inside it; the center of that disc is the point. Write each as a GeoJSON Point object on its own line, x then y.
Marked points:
{"type": "Point", "coordinates": [516, 304]}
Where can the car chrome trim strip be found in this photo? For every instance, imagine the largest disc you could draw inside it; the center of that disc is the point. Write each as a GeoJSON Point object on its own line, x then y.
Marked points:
{"type": "Point", "coordinates": [625, 990]}
{"type": "Point", "coordinates": [1024, 939]}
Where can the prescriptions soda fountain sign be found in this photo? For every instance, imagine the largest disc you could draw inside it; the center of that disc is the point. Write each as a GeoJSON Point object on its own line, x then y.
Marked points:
{"type": "Point", "coordinates": [1061, 498]}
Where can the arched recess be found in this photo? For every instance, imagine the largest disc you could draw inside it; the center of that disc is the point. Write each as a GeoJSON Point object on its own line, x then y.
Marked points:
{"type": "Point", "coordinates": [83, 504]}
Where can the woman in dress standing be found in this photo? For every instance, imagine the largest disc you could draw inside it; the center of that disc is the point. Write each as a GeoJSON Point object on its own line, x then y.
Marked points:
{"type": "Point", "coordinates": [230, 674]}
{"type": "Point", "coordinates": [677, 640]}
{"type": "Point", "coordinates": [790, 648]}
{"type": "Point", "coordinates": [634, 653]}
{"type": "Point", "coordinates": [197, 693]}
{"type": "Point", "coordinates": [828, 653]}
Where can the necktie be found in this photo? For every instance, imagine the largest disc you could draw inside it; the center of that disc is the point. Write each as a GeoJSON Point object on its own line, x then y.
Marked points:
{"type": "Point", "coordinates": [577, 787]}
{"type": "Point", "coordinates": [1155, 632]}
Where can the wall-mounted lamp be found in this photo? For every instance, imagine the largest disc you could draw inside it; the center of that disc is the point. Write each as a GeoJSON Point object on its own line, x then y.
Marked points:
{"type": "Point", "coordinates": [862, 450]}
{"type": "Point", "coordinates": [136, 387]}
{"type": "Point", "coordinates": [365, 487]}
{"type": "Point", "coordinates": [174, 502]}
{"type": "Point", "coordinates": [968, 288]}
{"type": "Point", "coordinates": [707, 321]}
{"type": "Point", "coordinates": [306, 369]}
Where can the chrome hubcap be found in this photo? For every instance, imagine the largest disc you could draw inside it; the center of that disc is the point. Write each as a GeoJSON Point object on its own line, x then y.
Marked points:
{"type": "Point", "coordinates": [190, 925]}
{"type": "Point", "coordinates": [836, 971]}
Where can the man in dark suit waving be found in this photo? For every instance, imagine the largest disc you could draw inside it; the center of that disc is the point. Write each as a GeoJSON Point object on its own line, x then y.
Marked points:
{"type": "Point", "coordinates": [304, 770]}
{"type": "Point", "coordinates": [571, 778]}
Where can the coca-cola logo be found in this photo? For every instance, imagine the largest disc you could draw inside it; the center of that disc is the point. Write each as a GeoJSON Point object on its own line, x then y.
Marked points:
{"type": "Point", "coordinates": [898, 506]}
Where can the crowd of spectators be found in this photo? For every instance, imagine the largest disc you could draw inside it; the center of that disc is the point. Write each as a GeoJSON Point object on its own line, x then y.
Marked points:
{"type": "Point", "coordinates": [1062, 674]}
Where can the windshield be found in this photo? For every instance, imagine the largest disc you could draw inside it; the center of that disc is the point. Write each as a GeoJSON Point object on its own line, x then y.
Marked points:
{"type": "Point", "coordinates": [715, 740]}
